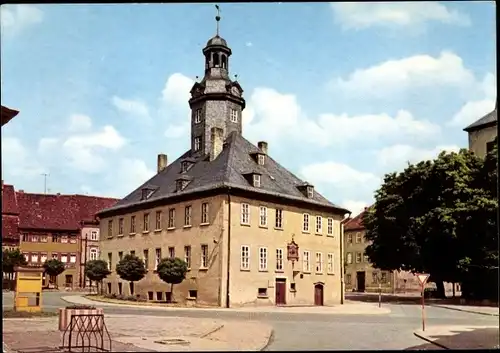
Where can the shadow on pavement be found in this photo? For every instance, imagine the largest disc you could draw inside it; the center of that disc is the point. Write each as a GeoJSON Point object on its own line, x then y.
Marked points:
{"type": "Point", "coordinates": [482, 338]}
{"type": "Point", "coordinates": [405, 299]}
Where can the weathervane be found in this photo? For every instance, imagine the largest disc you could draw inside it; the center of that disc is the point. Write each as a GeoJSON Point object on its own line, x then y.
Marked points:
{"type": "Point", "coordinates": [217, 18]}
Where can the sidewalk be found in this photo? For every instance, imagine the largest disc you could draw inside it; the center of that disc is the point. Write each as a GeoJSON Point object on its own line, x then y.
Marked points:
{"type": "Point", "coordinates": [461, 337]}
{"type": "Point", "coordinates": [129, 333]}
{"type": "Point", "coordinates": [482, 310]}
{"type": "Point", "coordinates": [349, 308]}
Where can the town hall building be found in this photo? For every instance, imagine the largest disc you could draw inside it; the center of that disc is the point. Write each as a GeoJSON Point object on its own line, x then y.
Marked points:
{"type": "Point", "coordinates": [251, 232]}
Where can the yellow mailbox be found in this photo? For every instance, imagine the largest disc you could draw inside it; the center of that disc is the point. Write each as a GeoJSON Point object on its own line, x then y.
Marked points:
{"type": "Point", "coordinates": [28, 296]}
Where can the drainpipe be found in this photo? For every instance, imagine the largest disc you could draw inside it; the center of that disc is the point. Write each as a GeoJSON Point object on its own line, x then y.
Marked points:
{"type": "Point", "coordinates": [228, 246]}
{"type": "Point", "coordinates": [342, 267]}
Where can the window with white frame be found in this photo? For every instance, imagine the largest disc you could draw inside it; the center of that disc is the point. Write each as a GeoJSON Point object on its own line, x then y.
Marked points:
{"type": "Point", "coordinates": [349, 258]}
{"type": "Point", "coordinates": [157, 257]}
{"type": "Point", "coordinates": [197, 116]}
{"type": "Point", "coordinates": [146, 223]}
{"type": "Point", "coordinates": [279, 259]}
{"type": "Point", "coordinates": [171, 252]}
{"type": "Point", "coordinates": [329, 268]}
{"type": "Point", "coordinates": [305, 225]}
{"type": "Point", "coordinates": [234, 116]}
{"type": "Point", "coordinates": [358, 237]}
{"type": "Point", "coordinates": [43, 257]}
{"type": "Point", "coordinates": [358, 257]}
{"type": "Point", "coordinates": [245, 257]}
{"type": "Point", "coordinates": [204, 213]}
{"type": "Point", "coordinates": [310, 192]}
{"type": "Point", "coordinates": [26, 256]}
{"type": "Point", "coordinates": [120, 226]}
{"type": "Point", "coordinates": [263, 216]}
{"type": "Point", "coordinates": [72, 258]}
{"type": "Point", "coordinates": [64, 239]}
{"type": "Point", "coordinates": [187, 215]}
{"type": "Point", "coordinates": [44, 238]}
{"type": "Point", "coordinates": [34, 257]}
{"type": "Point", "coordinates": [262, 259]}
{"type": "Point", "coordinates": [306, 265]}
{"type": "Point", "coordinates": [132, 224]}
{"type": "Point", "coordinates": [261, 159]}
{"type": "Point", "coordinates": [187, 256]}
{"type": "Point", "coordinates": [145, 255]}
{"type": "Point", "coordinates": [158, 220]}
{"type": "Point", "coordinates": [93, 235]}
{"type": "Point", "coordinates": [279, 218]}
{"type": "Point", "coordinates": [110, 259]}
{"type": "Point", "coordinates": [204, 256]}
{"type": "Point", "coordinates": [256, 180]}
{"type": "Point", "coordinates": [93, 254]}
{"type": "Point", "coordinates": [197, 143]}
{"type": "Point", "coordinates": [110, 228]}
{"type": "Point", "coordinates": [329, 226]}
{"type": "Point", "coordinates": [319, 224]}
{"type": "Point", "coordinates": [171, 218]}
{"type": "Point", "coordinates": [319, 262]}
{"type": "Point", "coordinates": [120, 255]}
{"type": "Point", "coordinates": [64, 258]}
{"type": "Point", "coordinates": [245, 213]}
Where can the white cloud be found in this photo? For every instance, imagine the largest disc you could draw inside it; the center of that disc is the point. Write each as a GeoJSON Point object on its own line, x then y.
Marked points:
{"type": "Point", "coordinates": [15, 18]}
{"type": "Point", "coordinates": [271, 115]}
{"type": "Point", "coordinates": [395, 76]}
{"type": "Point", "coordinates": [129, 175]}
{"type": "Point", "coordinates": [18, 160]}
{"type": "Point", "coordinates": [397, 157]}
{"type": "Point", "coordinates": [79, 122]}
{"type": "Point", "coordinates": [249, 44]}
{"type": "Point", "coordinates": [175, 97]}
{"type": "Point", "coordinates": [130, 106]}
{"type": "Point", "coordinates": [472, 111]}
{"type": "Point", "coordinates": [356, 207]}
{"type": "Point", "coordinates": [359, 15]}
{"type": "Point", "coordinates": [177, 89]}
{"type": "Point", "coordinates": [47, 145]}
{"type": "Point", "coordinates": [177, 131]}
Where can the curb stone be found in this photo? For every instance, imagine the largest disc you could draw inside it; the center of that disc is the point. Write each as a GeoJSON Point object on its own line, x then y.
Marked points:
{"type": "Point", "coordinates": [213, 331]}
{"type": "Point", "coordinates": [463, 310]}
{"type": "Point", "coordinates": [270, 340]}
{"type": "Point", "coordinates": [430, 341]}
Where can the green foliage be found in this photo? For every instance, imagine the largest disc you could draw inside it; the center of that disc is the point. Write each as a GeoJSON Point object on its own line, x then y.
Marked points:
{"type": "Point", "coordinates": [131, 268]}
{"type": "Point", "coordinates": [172, 271]}
{"type": "Point", "coordinates": [437, 217]}
{"type": "Point", "coordinates": [96, 270]}
{"type": "Point", "coordinates": [53, 267]}
{"type": "Point", "coordinates": [11, 259]}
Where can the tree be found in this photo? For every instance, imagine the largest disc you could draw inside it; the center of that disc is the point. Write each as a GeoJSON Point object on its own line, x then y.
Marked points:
{"type": "Point", "coordinates": [173, 271]}
{"type": "Point", "coordinates": [53, 268]}
{"type": "Point", "coordinates": [132, 269]}
{"type": "Point", "coordinates": [10, 260]}
{"type": "Point", "coordinates": [431, 217]}
{"type": "Point", "coordinates": [96, 270]}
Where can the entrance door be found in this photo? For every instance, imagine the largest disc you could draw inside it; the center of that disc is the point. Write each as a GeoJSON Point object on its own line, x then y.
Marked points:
{"type": "Point", "coordinates": [318, 294]}
{"type": "Point", "coordinates": [360, 276]}
{"type": "Point", "coordinates": [69, 281]}
{"type": "Point", "coordinates": [280, 291]}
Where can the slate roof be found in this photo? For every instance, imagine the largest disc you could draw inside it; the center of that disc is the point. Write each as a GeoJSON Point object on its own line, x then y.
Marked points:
{"type": "Point", "coordinates": [58, 212]}
{"type": "Point", "coordinates": [227, 170]}
{"type": "Point", "coordinates": [355, 223]}
{"type": "Point", "coordinates": [489, 119]}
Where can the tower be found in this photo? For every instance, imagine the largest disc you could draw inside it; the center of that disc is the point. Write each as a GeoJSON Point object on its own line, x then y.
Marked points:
{"type": "Point", "coordinates": [216, 101]}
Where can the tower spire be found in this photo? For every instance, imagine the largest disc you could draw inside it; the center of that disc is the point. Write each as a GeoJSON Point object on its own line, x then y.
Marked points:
{"type": "Point", "coordinates": [217, 18]}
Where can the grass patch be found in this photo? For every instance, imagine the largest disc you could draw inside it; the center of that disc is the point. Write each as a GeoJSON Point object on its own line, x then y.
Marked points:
{"type": "Point", "coordinates": [10, 314]}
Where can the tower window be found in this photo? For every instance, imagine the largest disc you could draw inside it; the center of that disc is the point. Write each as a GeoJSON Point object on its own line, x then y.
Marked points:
{"type": "Point", "coordinates": [224, 61]}
{"type": "Point", "coordinates": [197, 143]}
{"type": "Point", "coordinates": [216, 59]}
{"type": "Point", "coordinates": [197, 116]}
{"type": "Point", "coordinates": [234, 116]}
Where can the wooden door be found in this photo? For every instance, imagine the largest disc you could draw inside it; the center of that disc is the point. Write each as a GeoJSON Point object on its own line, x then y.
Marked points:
{"type": "Point", "coordinates": [360, 277]}
{"type": "Point", "coordinates": [318, 294]}
{"type": "Point", "coordinates": [280, 291]}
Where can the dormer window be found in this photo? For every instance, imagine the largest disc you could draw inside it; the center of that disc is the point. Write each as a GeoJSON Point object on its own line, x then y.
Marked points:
{"type": "Point", "coordinates": [146, 192]}
{"type": "Point", "coordinates": [234, 116]}
{"type": "Point", "coordinates": [197, 116]}
{"type": "Point", "coordinates": [310, 192]}
{"type": "Point", "coordinates": [187, 163]}
{"type": "Point", "coordinates": [256, 180]}
{"type": "Point", "coordinates": [184, 167]}
{"type": "Point", "coordinates": [261, 159]}
{"type": "Point", "coordinates": [181, 183]}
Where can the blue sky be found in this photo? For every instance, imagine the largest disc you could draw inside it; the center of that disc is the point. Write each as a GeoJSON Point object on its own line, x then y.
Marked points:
{"type": "Point", "coordinates": [343, 93]}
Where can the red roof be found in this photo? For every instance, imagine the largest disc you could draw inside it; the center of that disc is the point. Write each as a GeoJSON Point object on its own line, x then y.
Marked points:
{"type": "Point", "coordinates": [9, 201]}
{"type": "Point", "coordinates": [10, 227]}
{"type": "Point", "coordinates": [59, 212]}
{"type": "Point", "coordinates": [356, 223]}
{"type": "Point", "coordinates": [8, 114]}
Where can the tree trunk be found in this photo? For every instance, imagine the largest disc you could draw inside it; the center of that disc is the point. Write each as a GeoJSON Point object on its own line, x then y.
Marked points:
{"type": "Point", "coordinates": [171, 292]}
{"type": "Point", "coordinates": [131, 285]}
{"type": "Point", "coordinates": [440, 292]}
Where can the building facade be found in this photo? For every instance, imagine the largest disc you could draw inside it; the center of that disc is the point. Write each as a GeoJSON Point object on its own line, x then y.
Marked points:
{"type": "Point", "coordinates": [483, 133]}
{"type": "Point", "coordinates": [89, 249]}
{"type": "Point", "coordinates": [51, 226]}
{"type": "Point", "coordinates": [10, 218]}
{"type": "Point", "coordinates": [251, 232]}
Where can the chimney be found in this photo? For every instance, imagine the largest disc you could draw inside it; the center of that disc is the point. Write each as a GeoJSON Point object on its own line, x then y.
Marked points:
{"type": "Point", "coordinates": [217, 142]}
{"type": "Point", "coordinates": [162, 162]}
{"type": "Point", "coordinates": [262, 146]}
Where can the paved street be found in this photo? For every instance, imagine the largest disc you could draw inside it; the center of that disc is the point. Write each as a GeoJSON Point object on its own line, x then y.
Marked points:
{"type": "Point", "coordinates": [301, 331]}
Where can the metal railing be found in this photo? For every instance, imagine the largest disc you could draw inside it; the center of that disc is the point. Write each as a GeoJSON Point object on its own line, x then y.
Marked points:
{"type": "Point", "coordinates": [86, 333]}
